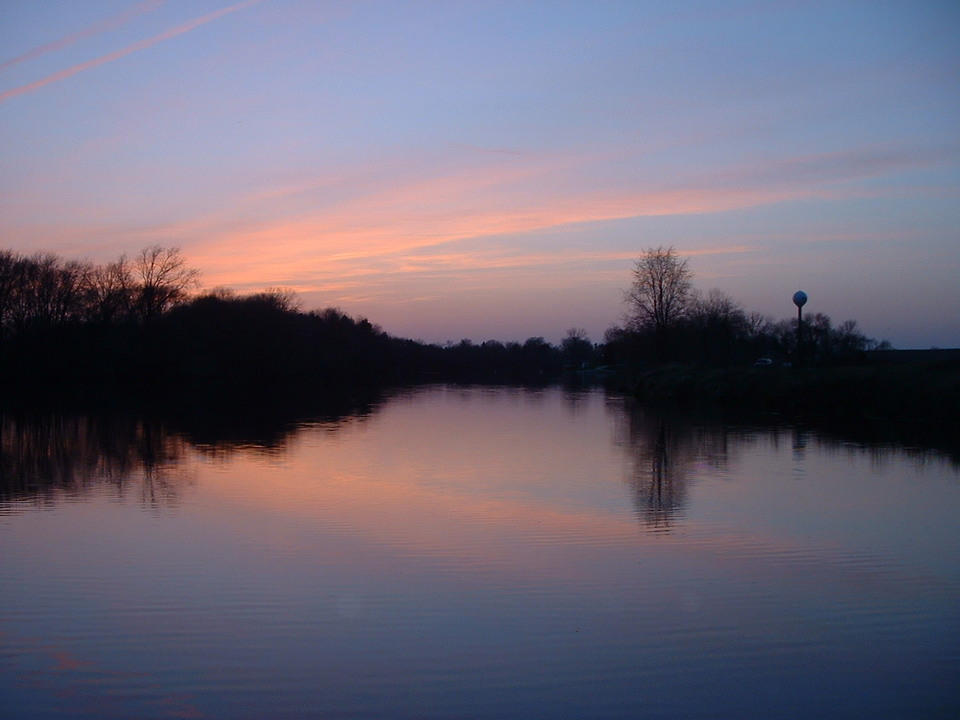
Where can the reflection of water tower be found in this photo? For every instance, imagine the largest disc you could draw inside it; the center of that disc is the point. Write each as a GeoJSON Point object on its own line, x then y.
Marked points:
{"type": "Point", "coordinates": [799, 299]}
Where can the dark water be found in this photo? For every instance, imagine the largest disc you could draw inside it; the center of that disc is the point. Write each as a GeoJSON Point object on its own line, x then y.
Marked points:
{"type": "Point", "coordinates": [473, 553]}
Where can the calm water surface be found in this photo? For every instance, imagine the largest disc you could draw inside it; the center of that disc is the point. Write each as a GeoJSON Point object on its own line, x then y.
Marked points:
{"type": "Point", "coordinates": [474, 553]}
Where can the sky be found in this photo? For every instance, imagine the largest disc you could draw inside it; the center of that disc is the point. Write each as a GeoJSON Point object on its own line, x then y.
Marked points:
{"type": "Point", "coordinates": [493, 170]}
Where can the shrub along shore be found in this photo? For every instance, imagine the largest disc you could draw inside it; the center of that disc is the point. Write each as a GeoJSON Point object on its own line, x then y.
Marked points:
{"type": "Point", "coordinates": [922, 389]}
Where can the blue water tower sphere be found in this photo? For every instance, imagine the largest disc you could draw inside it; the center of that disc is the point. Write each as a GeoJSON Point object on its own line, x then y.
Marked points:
{"type": "Point", "coordinates": [799, 298]}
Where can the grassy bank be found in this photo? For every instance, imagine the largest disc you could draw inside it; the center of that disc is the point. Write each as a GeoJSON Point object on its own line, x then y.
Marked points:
{"type": "Point", "coordinates": [905, 392]}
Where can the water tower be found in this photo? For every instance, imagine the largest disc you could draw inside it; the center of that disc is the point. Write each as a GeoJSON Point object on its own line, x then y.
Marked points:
{"type": "Point", "coordinates": [799, 299]}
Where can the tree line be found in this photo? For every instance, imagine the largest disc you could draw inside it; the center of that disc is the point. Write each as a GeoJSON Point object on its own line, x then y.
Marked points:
{"type": "Point", "coordinates": [44, 291]}
{"type": "Point", "coordinates": [668, 320]}
{"type": "Point", "coordinates": [145, 319]}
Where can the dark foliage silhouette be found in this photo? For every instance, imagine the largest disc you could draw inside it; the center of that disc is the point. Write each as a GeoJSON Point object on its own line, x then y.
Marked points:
{"type": "Point", "coordinates": [659, 296]}
{"type": "Point", "coordinates": [139, 322]}
{"type": "Point", "coordinates": [669, 320]}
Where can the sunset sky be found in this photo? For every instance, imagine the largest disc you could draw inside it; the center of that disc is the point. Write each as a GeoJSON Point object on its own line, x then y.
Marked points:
{"type": "Point", "coordinates": [493, 169]}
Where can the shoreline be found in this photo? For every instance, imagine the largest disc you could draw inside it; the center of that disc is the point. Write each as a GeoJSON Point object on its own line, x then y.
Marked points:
{"type": "Point", "coordinates": [907, 392]}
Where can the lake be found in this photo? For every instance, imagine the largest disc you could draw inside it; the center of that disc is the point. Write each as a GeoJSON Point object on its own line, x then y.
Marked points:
{"type": "Point", "coordinates": [471, 552]}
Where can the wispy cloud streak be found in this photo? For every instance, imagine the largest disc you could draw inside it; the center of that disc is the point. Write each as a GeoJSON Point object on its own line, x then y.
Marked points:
{"type": "Point", "coordinates": [100, 27]}
{"type": "Point", "coordinates": [116, 55]}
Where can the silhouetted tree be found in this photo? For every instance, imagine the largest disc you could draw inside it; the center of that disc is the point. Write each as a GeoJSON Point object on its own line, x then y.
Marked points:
{"type": "Point", "coordinates": [718, 328]}
{"type": "Point", "coordinates": [110, 292]}
{"type": "Point", "coordinates": [849, 342]}
{"type": "Point", "coordinates": [660, 294]}
{"type": "Point", "coordinates": [40, 292]}
{"type": "Point", "coordinates": [68, 282]}
{"type": "Point", "coordinates": [163, 280]}
{"type": "Point", "coordinates": [576, 348]}
{"type": "Point", "coordinates": [280, 298]}
{"type": "Point", "coordinates": [8, 286]}
{"type": "Point", "coordinates": [619, 346]}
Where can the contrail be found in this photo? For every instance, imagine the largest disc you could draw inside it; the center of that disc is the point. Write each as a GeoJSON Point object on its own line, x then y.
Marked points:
{"type": "Point", "coordinates": [102, 26]}
{"type": "Point", "coordinates": [116, 55]}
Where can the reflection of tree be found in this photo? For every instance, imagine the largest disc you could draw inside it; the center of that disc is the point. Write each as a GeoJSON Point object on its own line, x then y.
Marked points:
{"type": "Point", "coordinates": [662, 452]}
{"type": "Point", "coordinates": [658, 475]}
{"type": "Point", "coordinates": [46, 454]}
{"type": "Point", "coordinates": [262, 420]}
{"type": "Point", "coordinates": [665, 451]}
{"type": "Point", "coordinates": [54, 453]}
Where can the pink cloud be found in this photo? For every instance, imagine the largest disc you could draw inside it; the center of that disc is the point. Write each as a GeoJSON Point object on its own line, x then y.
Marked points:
{"type": "Point", "coordinates": [100, 27]}
{"type": "Point", "coordinates": [123, 52]}
{"type": "Point", "coordinates": [362, 229]}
